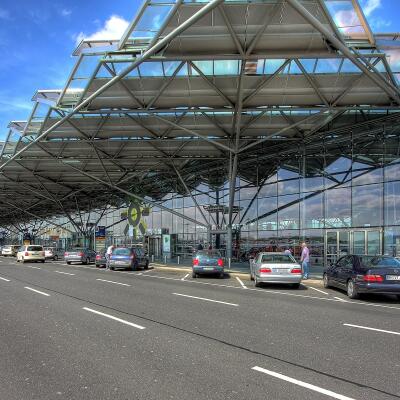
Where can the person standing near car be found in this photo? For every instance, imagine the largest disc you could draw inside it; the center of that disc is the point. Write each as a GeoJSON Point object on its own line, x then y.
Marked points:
{"type": "Point", "coordinates": [305, 260]}
{"type": "Point", "coordinates": [108, 255]}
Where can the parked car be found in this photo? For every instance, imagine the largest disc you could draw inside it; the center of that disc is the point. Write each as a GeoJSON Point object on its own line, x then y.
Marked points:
{"type": "Point", "coordinates": [10, 250]}
{"type": "Point", "coordinates": [275, 268]}
{"type": "Point", "coordinates": [31, 253]}
{"type": "Point", "coordinates": [81, 255]}
{"type": "Point", "coordinates": [208, 262]}
{"type": "Point", "coordinates": [101, 260]}
{"type": "Point", "coordinates": [53, 253]}
{"type": "Point", "coordinates": [358, 274]}
{"type": "Point", "coordinates": [128, 258]}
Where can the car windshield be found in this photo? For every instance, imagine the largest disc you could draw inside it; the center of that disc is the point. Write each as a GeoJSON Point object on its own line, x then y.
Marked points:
{"type": "Point", "coordinates": [35, 248]}
{"type": "Point", "coordinates": [121, 252]}
{"type": "Point", "coordinates": [277, 258]}
{"type": "Point", "coordinates": [208, 253]}
{"type": "Point", "coordinates": [379, 262]}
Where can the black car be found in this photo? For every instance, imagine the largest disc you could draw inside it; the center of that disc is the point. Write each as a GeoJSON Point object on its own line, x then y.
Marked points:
{"type": "Point", "coordinates": [359, 274]}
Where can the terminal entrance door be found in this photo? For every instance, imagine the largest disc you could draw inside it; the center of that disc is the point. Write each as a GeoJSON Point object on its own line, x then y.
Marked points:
{"type": "Point", "coordinates": [355, 241]}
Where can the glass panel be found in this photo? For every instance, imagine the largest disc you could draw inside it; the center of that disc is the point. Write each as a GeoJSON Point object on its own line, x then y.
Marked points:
{"type": "Point", "coordinates": [359, 242]}
{"type": "Point", "coordinates": [392, 203]}
{"type": "Point", "coordinates": [331, 247]}
{"type": "Point", "coordinates": [338, 207]}
{"type": "Point", "coordinates": [367, 205]}
{"type": "Point", "coordinates": [344, 242]}
{"type": "Point", "coordinates": [373, 242]}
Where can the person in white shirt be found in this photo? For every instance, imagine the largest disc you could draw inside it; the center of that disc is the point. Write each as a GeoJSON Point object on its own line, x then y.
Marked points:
{"type": "Point", "coordinates": [108, 255]}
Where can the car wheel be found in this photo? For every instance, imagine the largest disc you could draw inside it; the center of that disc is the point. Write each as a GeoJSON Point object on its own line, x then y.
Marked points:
{"type": "Point", "coordinates": [69, 262]}
{"type": "Point", "coordinates": [43, 261]}
{"type": "Point", "coordinates": [398, 297]}
{"type": "Point", "coordinates": [256, 283]}
{"type": "Point", "coordinates": [86, 262]}
{"type": "Point", "coordinates": [221, 275]}
{"type": "Point", "coordinates": [146, 266]}
{"type": "Point", "coordinates": [55, 258]}
{"type": "Point", "coordinates": [295, 285]}
{"type": "Point", "coordinates": [194, 275]}
{"type": "Point", "coordinates": [326, 281]}
{"type": "Point", "coordinates": [351, 290]}
{"type": "Point", "coordinates": [112, 268]}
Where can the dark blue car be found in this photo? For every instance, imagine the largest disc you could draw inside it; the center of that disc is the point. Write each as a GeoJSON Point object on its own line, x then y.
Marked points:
{"type": "Point", "coordinates": [358, 274]}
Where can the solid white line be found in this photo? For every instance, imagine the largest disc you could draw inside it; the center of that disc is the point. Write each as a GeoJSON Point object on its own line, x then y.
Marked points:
{"type": "Point", "coordinates": [318, 290]}
{"type": "Point", "coordinates": [240, 281]}
{"type": "Point", "coordinates": [340, 299]}
{"type": "Point", "coordinates": [36, 291]}
{"type": "Point", "coordinates": [114, 318]}
{"type": "Point", "coordinates": [64, 273]}
{"type": "Point", "coordinates": [4, 279]}
{"type": "Point", "coordinates": [117, 283]}
{"type": "Point", "coordinates": [30, 266]}
{"type": "Point", "coordinates": [372, 329]}
{"type": "Point", "coordinates": [203, 298]}
{"type": "Point", "coordinates": [303, 384]}
{"type": "Point", "coordinates": [182, 279]}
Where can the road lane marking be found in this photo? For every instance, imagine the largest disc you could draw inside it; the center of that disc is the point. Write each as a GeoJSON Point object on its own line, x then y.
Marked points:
{"type": "Point", "coordinates": [340, 299]}
{"type": "Point", "coordinates": [36, 291]}
{"type": "Point", "coordinates": [148, 270]}
{"type": "Point", "coordinates": [302, 384]}
{"type": "Point", "coordinates": [30, 266]}
{"type": "Point", "coordinates": [4, 279]}
{"type": "Point", "coordinates": [64, 273]}
{"type": "Point", "coordinates": [372, 329]}
{"type": "Point", "coordinates": [182, 279]}
{"type": "Point", "coordinates": [240, 281]}
{"type": "Point", "coordinates": [114, 318]}
{"type": "Point", "coordinates": [318, 290]}
{"type": "Point", "coordinates": [204, 299]}
{"type": "Point", "coordinates": [117, 283]}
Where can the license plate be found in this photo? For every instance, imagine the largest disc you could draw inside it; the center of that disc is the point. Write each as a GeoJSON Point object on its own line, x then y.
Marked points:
{"type": "Point", "coordinates": [280, 270]}
{"type": "Point", "coordinates": [34, 254]}
{"type": "Point", "coordinates": [208, 268]}
{"type": "Point", "coordinates": [393, 277]}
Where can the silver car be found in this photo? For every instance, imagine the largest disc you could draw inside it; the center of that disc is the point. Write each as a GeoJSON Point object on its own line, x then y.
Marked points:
{"type": "Point", "coordinates": [275, 268]}
{"type": "Point", "coordinates": [80, 254]}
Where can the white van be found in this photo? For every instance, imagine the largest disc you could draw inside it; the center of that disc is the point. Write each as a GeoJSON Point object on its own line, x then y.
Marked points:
{"type": "Point", "coordinates": [32, 252]}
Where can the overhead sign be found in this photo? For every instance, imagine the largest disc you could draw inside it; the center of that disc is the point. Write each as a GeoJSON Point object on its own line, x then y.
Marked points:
{"type": "Point", "coordinates": [100, 232]}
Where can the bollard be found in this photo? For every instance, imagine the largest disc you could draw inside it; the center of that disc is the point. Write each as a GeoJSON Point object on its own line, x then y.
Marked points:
{"type": "Point", "coordinates": [165, 259]}
{"type": "Point", "coordinates": [152, 258]}
{"type": "Point", "coordinates": [178, 260]}
{"type": "Point", "coordinates": [229, 263]}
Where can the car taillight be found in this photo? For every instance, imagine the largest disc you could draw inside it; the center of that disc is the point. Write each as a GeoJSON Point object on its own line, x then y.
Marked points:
{"type": "Point", "coordinates": [65, 254]}
{"type": "Point", "coordinates": [26, 253]}
{"type": "Point", "coordinates": [373, 278]}
{"type": "Point", "coordinates": [220, 262]}
{"type": "Point", "coordinates": [265, 270]}
{"type": "Point", "coordinates": [296, 271]}
{"type": "Point", "coordinates": [195, 261]}
{"type": "Point", "coordinates": [98, 257]}
{"type": "Point", "coordinates": [80, 254]}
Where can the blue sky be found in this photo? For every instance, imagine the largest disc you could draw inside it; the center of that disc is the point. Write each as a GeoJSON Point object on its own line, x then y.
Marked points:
{"type": "Point", "coordinates": [38, 37]}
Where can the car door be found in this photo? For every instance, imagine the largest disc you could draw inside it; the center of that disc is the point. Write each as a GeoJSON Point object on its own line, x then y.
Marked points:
{"type": "Point", "coordinates": [335, 271]}
{"type": "Point", "coordinates": [345, 271]}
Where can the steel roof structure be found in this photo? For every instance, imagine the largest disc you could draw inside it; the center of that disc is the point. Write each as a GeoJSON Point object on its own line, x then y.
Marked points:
{"type": "Point", "coordinates": [203, 91]}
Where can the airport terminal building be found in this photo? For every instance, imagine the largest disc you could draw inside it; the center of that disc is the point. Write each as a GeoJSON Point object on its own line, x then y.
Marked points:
{"type": "Point", "coordinates": [241, 124]}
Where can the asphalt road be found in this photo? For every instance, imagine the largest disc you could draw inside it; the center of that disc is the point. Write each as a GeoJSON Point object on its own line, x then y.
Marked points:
{"type": "Point", "coordinates": [76, 332]}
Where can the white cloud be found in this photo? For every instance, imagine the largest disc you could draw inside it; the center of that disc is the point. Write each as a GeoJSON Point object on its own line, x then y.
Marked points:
{"type": "Point", "coordinates": [369, 6]}
{"type": "Point", "coordinates": [65, 12]}
{"type": "Point", "coordinates": [113, 29]}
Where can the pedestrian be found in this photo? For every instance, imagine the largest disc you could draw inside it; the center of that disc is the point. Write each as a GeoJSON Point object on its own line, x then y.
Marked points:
{"type": "Point", "coordinates": [108, 255]}
{"type": "Point", "coordinates": [287, 251]}
{"type": "Point", "coordinates": [210, 246]}
{"type": "Point", "coordinates": [200, 246]}
{"type": "Point", "coordinates": [305, 260]}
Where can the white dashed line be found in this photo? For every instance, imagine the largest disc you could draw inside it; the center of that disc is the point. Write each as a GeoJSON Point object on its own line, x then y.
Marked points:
{"type": "Point", "coordinates": [302, 384]}
{"type": "Point", "coordinates": [182, 279]}
{"type": "Point", "coordinates": [240, 281]}
{"type": "Point", "coordinates": [64, 273]}
{"type": "Point", "coordinates": [204, 299]}
{"type": "Point", "coordinates": [117, 283]}
{"type": "Point", "coordinates": [4, 279]}
{"type": "Point", "coordinates": [318, 290]}
{"type": "Point", "coordinates": [340, 299]}
{"type": "Point", "coordinates": [114, 318]}
{"type": "Point", "coordinates": [30, 266]}
{"type": "Point", "coordinates": [372, 329]}
{"type": "Point", "coordinates": [36, 291]}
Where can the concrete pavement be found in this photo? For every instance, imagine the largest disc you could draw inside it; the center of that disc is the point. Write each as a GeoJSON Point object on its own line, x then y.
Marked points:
{"type": "Point", "coordinates": [76, 332]}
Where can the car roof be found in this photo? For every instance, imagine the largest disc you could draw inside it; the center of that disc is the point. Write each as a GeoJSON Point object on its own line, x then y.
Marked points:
{"type": "Point", "coordinates": [269, 253]}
